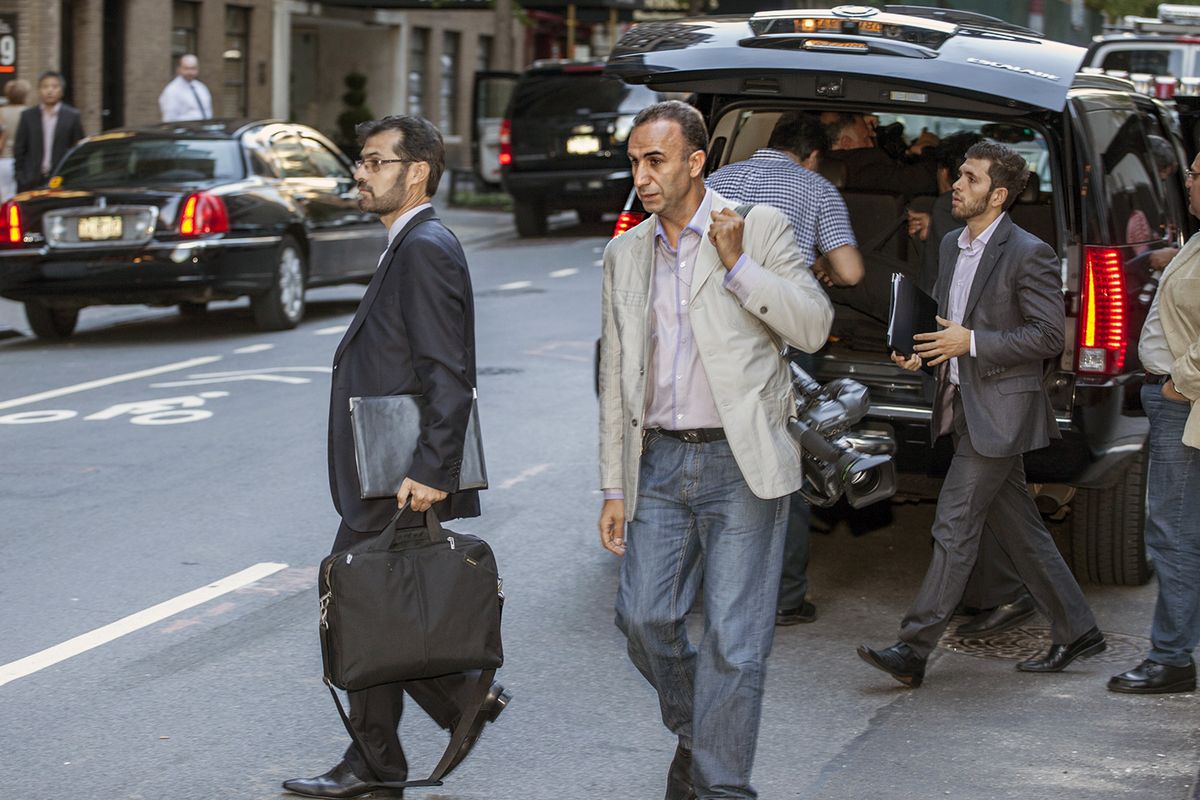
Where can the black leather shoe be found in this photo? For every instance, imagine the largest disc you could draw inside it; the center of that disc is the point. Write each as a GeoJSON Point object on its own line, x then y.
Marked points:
{"type": "Point", "coordinates": [899, 661]}
{"type": "Point", "coordinates": [1150, 677]}
{"type": "Point", "coordinates": [338, 782]}
{"type": "Point", "coordinates": [1000, 618]}
{"type": "Point", "coordinates": [1059, 656]}
{"type": "Point", "coordinates": [679, 776]}
{"type": "Point", "coordinates": [807, 612]}
{"type": "Point", "coordinates": [493, 705]}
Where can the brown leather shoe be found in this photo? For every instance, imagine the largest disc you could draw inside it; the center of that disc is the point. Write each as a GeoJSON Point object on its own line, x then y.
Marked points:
{"type": "Point", "coordinates": [679, 776]}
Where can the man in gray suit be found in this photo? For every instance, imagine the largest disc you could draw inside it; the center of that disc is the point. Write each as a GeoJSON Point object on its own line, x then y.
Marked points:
{"type": "Point", "coordinates": [1000, 299]}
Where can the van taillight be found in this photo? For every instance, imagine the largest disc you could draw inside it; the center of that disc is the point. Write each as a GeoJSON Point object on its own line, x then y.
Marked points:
{"type": "Point", "coordinates": [12, 232]}
{"type": "Point", "coordinates": [626, 221]}
{"type": "Point", "coordinates": [505, 142]}
{"type": "Point", "coordinates": [1103, 330]}
{"type": "Point", "coordinates": [203, 213]}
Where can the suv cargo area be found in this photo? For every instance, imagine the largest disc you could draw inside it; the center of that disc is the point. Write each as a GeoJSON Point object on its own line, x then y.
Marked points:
{"type": "Point", "coordinates": [1096, 195]}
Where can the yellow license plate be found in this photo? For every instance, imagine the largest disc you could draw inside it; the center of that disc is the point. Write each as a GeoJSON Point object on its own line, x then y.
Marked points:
{"type": "Point", "coordinates": [100, 228]}
{"type": "Point", "coordinates": [583, 145]}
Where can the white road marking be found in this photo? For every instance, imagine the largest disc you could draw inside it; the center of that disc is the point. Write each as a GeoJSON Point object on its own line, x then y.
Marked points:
{"type": "Point", "coordinates": [515, 285]}
{"type": "Point", "coordinates": [115, 630]}
{"type": "Point", "coordinates": [268, 375]}
{"type": "Point", "coordinates": [598, 263]}
{"type": "Point", "coordinates": [563, 273]}
{"type": "Point", "coordinates": [254, 348]}
{"type": "Point", "coordinates": [525, 475]}
{"type": "Point", "coordinates": [331, 330]}
{"type": "Point", "coordinates": [96, 384]}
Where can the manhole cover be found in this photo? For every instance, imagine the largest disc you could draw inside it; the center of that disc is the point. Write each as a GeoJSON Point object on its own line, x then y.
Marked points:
{"type": "Point", "coordinates": [1026, 641]}
{"type": "Point", "coordinates": [498, 370]}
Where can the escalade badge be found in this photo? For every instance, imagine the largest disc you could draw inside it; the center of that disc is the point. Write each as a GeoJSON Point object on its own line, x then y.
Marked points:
{"type": "Point", "coordinates": [1011, 68]}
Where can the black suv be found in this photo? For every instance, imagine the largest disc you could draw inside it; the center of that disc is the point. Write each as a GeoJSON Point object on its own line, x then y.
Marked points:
{"type": "Point", "coordinates": [1095, 195]}
{"type": "Point", "coordinates": [562, 142]}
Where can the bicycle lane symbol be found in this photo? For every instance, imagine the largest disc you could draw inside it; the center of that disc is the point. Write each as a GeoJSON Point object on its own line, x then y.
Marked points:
{"type": "Point", "coordinates": [160, 411]}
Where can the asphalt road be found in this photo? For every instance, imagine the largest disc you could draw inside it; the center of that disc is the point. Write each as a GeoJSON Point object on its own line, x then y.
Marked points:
{"type": "Point", "coordinates": [121, 495]}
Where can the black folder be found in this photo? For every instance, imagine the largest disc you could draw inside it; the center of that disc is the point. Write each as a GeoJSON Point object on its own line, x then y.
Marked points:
{"type": "Point", "coordinates": [911, 311]}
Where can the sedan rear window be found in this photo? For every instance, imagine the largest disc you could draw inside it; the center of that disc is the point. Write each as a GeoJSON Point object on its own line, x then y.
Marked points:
{"type": "Point", "coordinates": [140, 161]}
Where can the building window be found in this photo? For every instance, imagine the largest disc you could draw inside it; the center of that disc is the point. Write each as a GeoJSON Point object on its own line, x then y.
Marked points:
{"type": "Point", "coordinates": [448, 95]}
{"type": "Point", "coordinates": [184, 23]}
{"type": "Point", "coordinates": [418, 56]}
{"type": "Point", "coordinates": [237, 41]}
{"type": "Point", "coordinates": [484, 54]}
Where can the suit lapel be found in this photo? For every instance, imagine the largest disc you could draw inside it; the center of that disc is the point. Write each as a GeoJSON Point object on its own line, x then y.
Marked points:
{"type": "Point", "coordinates": [707, 259]}
{"type": "Point", "coordinates": [377, 279]}
{"type": "Point", "coordinates": [987, 264]}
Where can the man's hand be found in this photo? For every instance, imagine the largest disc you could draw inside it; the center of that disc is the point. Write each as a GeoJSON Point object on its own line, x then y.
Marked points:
{"type": "Point", "coordinates": [821, 271]}
{"type": "Point", "coordinates": [912, 363]}
{"type": "Point", "coordinates": [725, 232]}
{"type": "Point", "coordinates": [918, 224]}
{"type": "Point", "coordinates": [612, 526]}
{"type": "Point", "coordinates": [420, 496]}
{"type": "Point", "coordinates": [1171, 393]}
{"type": "Point", "coordinates": [952, 340]}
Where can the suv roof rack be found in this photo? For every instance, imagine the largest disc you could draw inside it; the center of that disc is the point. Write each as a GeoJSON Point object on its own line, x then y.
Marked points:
{"type": "Point", "coordinates": [965, 19]}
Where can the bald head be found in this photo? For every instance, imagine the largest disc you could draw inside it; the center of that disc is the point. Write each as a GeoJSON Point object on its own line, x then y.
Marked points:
{"type": "Point", "coordinates": [189, 67]}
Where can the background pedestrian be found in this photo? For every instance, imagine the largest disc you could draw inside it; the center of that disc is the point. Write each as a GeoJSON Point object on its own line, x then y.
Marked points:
{"type": "Point", "coordinates": [186, 97]}
{"type": "Point", "coordinates": [45, 133]}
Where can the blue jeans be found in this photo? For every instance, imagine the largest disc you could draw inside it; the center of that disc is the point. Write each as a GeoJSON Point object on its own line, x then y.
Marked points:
{"type": "Point", "coordinates": [1173, 530]}
{"type": "Point", "coordinates": [697, 519]}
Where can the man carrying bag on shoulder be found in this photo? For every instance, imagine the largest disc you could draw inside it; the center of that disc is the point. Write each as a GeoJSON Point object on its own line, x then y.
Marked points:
{"type": "Point", "coordinates": [413, 334]}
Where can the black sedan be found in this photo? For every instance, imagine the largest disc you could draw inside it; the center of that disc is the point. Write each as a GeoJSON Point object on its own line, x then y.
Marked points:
{"type": "Point", "coordinates": [184, 213]}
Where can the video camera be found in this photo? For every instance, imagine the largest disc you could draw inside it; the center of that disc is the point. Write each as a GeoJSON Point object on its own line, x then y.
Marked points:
{"type": "Point", "coordinates": [838, 460]}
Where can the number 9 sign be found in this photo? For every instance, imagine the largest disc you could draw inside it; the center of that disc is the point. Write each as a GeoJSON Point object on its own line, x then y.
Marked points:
{"type": "Point", "coordinates": [8, 50]}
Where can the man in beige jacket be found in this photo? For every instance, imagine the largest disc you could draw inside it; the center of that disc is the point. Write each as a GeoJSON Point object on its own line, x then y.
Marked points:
{"type": "Point", "coordinates": [1169, 349]}
{"type": "Point", "coordinates": [694, 450]}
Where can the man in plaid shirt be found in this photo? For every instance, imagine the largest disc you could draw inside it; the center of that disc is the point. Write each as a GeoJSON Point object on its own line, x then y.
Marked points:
{"type": "Point", "coordinates": [784, 175]}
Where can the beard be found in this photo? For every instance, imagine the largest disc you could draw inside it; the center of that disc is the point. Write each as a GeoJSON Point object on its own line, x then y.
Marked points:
{"type": "Point", "coordinates": [385, 203]}
{"type": "Point", "coordinates": [966, 209]}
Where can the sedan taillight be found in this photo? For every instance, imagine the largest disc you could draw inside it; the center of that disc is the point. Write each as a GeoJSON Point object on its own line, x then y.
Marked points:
{"type": "Point", "coordinates": [203, 213]}
{"type": "Point", "coordinates": [505, 142]}
{"type": "Point", "coordinates": [12, 231]}
{"type": "Point", "coordinates": [627, 220]}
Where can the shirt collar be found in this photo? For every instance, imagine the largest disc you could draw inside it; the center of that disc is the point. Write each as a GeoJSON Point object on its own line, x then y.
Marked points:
{"type": "Point", "coordinates": [696, 224]}
{"type": "Point", "coordinates": [972, 246]}
{"type": "Point", "coordinates": [773, 154]}
{"type": "Point", "coordinates": [53, 112]}
{"type": "Point", "coordinates": [404, 219]}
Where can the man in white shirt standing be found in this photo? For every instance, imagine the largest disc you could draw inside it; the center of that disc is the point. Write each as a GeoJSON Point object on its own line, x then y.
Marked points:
{"type": "Point", "coordinates": [186, 97]}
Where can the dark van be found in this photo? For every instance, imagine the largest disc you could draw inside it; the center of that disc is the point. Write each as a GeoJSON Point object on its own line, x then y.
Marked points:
{"type": "Point", "coordinates": [1097, 194]}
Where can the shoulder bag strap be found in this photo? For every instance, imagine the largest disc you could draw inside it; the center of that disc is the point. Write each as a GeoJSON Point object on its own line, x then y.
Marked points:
{"type": "Point", "coordinates": [457, 736]}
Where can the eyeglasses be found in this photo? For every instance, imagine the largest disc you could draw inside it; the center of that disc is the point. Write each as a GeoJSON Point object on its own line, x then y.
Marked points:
{"type": "Point", "coordinates": [373, 164]}
{"type": "Point", "coordinates": [1190, 173]}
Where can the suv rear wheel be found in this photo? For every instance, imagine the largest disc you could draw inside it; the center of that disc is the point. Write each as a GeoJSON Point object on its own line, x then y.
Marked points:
{"type": "Point", "coordinates": [1108, 529]}
{"type": "Point", "coordinates": [530, 218]}
{"type": "Point", "coordinates": [48, 322]}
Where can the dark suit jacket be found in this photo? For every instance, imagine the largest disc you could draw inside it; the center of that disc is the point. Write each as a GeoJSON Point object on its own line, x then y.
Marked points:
{"type": "Point", "coordinates": [413, 333]}
{"type": "Point", "coordinates": [872, 169]}
{"type": "Point", "coordinates": [1015, 306]}
{"type": "Point", "coordinates": [28, 147]}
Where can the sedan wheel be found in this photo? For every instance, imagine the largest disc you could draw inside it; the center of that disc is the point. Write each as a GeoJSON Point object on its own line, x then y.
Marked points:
{"type": "Point", "coordinates": [51, 323]}
{"type": "Point", "coordinates": [282, 306]}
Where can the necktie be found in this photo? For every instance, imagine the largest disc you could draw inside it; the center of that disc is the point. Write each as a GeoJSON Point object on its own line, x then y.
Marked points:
{"type": "Point", "coordinates": [203, 112]}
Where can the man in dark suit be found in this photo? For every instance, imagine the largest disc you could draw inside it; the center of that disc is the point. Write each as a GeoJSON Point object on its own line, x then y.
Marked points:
{"type": "Point", "coordinates": [413, 333]}
{"type": "Point", "coordinates": [871, 168]}
{"type": "Point", "coordinates": [1000, 299]}
{"type": "Point", "coordinates": [45, 133]}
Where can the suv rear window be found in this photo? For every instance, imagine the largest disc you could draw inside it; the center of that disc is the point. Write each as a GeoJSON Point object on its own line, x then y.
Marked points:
{"type": "Point", "coordinates": [1149, 58]}
{"type": "Point", "coordinates": [570, 93]}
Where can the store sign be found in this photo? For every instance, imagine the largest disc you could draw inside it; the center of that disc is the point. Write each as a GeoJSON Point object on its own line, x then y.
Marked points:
{"type": "Point", "coordinates": [8, 49]}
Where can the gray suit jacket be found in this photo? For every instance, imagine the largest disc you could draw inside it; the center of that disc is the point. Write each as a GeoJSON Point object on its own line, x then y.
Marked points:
{"type": "Point", "coordinates": [738, 344]}
{"type": "Point", "coordinates": [1017, 311]}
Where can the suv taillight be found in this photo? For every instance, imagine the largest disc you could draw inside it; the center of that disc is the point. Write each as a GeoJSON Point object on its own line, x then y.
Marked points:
{"type": "Point", "coordinates": [203, 213]}
{"type": "Point", "coordinates": [627, 220]}
{"type": "Point", "coordinates": [505, 142]}
{"type": "Point", "coordinates": [1102, 319]}
{"type": "Point", "coordinates": [12, 232]}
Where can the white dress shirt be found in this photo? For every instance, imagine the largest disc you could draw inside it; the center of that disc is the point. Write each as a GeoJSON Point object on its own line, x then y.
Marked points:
{"type": "Point", "coordinates": [184, 100]}
{"type": "Point", "coordinates": [970, 253]}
